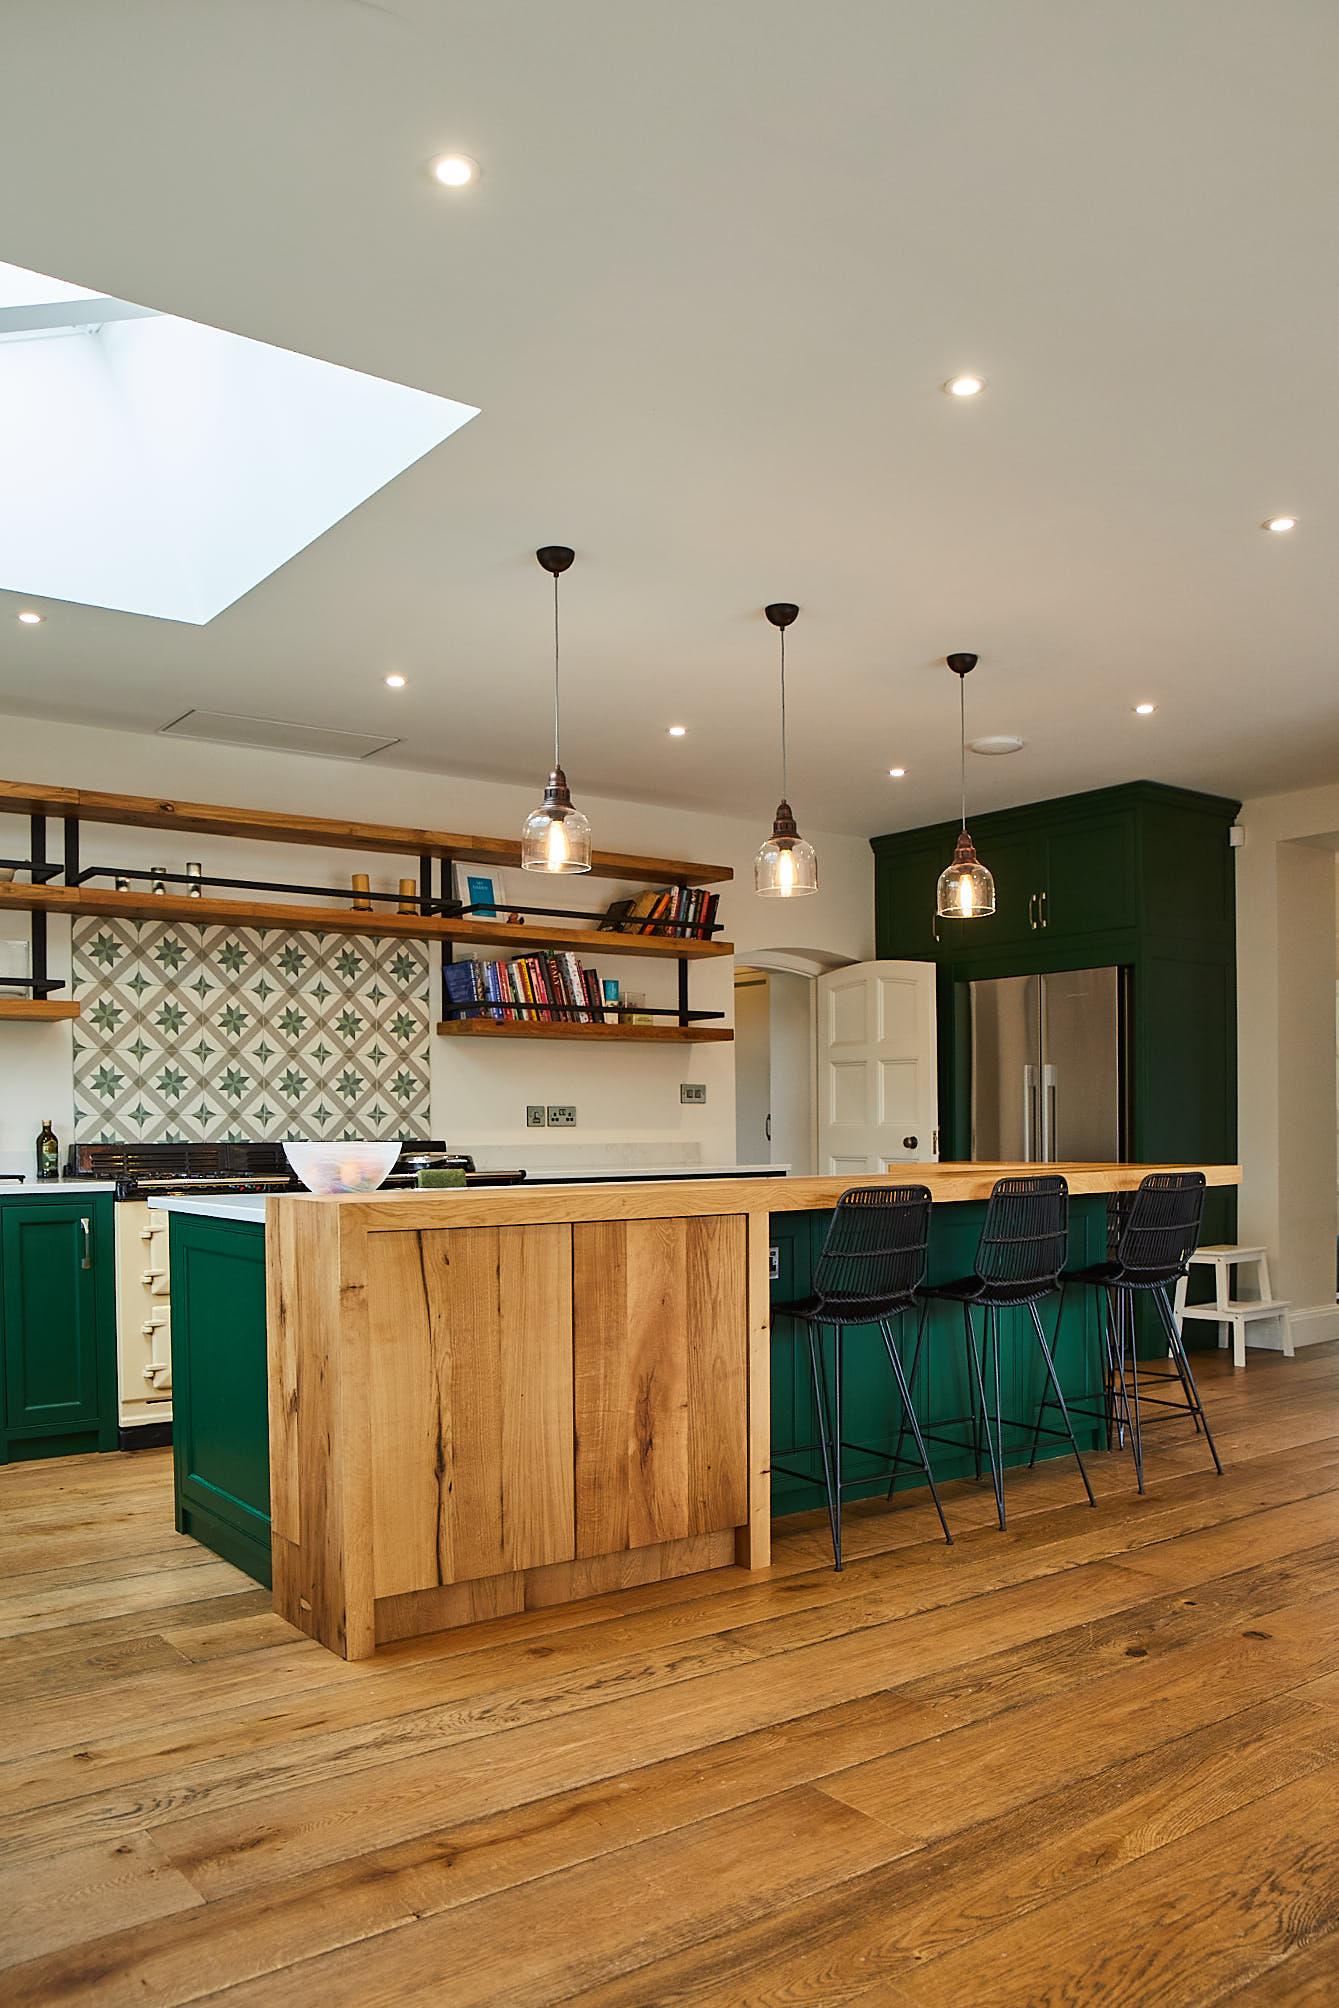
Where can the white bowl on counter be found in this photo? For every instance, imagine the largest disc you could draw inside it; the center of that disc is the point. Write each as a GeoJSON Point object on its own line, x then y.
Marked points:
{"type": "Point", "coordinates": [330, 1168]}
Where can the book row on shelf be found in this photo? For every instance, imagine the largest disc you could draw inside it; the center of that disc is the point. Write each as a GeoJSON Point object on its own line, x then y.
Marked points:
{"type": "Point", "coordinates": [679, 909]}
{"type": "Point", "coordinates": [537, 988]}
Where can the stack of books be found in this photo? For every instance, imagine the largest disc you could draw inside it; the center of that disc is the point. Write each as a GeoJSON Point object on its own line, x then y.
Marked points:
{"type": "Point", "coordinates": [534, 988]}
{"type": "Point", "coordinates": [672, 909]}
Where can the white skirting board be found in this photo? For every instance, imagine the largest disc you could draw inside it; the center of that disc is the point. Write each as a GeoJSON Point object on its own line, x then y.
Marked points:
{"type": "Point", "coordinates": [1312, 1325]}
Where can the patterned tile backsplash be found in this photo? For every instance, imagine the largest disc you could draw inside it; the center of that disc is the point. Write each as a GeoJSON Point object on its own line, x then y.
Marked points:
{"type": "Point", "coordinates": [206, 1034]}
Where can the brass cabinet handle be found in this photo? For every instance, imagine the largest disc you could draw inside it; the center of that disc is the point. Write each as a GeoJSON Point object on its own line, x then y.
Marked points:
{"type": "Point", "coordinates": [1041, 905]}
{"type": "Point", "coordinates": [87, 1262]}
{"type": "Point", "coordinates": [1032, 911]}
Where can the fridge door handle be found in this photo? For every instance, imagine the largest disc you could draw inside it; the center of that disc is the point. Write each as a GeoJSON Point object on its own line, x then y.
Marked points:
{"type": "Point", "coordinates": [1048, 1114]}
{"type": "Point", "coordinates": [1029, 1115]}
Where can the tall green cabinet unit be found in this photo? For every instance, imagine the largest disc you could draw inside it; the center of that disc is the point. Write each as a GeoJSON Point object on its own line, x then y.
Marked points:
{"type": "Point", "coordinates": [57, 1325]}
{"type": "Point", "coordinates": [1140, 876]}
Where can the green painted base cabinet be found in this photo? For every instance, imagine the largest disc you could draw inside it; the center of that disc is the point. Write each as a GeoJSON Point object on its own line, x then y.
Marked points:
{"type": "Point", "coordinates": [57, 1325]}
{"type": "Point", "coordinates": [872, 1409]}
{"type": "Point", "coordinates": [220, 1432]}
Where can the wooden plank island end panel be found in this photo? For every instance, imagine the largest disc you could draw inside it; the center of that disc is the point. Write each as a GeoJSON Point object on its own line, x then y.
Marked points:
{"type": "Point", "coordinates": [470, 1387]}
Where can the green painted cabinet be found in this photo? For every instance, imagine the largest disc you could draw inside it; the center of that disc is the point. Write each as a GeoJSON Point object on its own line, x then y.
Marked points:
{"type": "Point", "coordinates": [872, 1411]}
{"type": "Point", "coordinates": [220, 1426]}
{"type": "Point", "coordinates": [57, 1325]}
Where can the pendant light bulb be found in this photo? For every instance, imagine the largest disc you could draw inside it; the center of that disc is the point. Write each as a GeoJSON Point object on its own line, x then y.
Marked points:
{"type": "Point", "coordinates": [786, 865]}
{"type": "Point", "coordinates": [556, 836]}
{"type": "Point", "coordinates": [966, 888]}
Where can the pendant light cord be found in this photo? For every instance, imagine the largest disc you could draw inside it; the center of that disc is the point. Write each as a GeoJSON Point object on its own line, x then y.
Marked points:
{"type": "Point", "coordinates": [962, 742]}
{"type": "Point", "coordinates": [556, 761]}
{"type": "Point", "coordinates": [784, 794]}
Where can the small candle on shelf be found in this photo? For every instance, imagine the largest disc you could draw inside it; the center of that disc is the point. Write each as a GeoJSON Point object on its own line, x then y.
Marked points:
{"type": "Point", "coordinates": [408, 896]}
{"type": "Point", "coordinates": [362, 885]}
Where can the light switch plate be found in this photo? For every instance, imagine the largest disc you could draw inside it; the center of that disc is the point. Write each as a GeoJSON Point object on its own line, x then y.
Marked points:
{"type": "Point", "coordinates": [562, 1115]}
{"type": "Point", "coordinates": [692, 1091]}
{"type": "Point", "coordinates": [535, 1117]}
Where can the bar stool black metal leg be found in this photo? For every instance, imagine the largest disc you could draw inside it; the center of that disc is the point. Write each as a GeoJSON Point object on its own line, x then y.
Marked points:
{"type": "Point", "coordinates": [1182, 1365]}
{"type": "Point", "coordinates": [978, 1371]}
{"type": "Point", "coordinates": [1130, 1389]}
{"type": "Point", "coordinates": [909, 1412]}
{"type": "Point", "coordinates": [1045, 1401]}
{"type": "Point", "coordinates": [1060, 1401]}
{"type": "Point", "coordinates": [910, 1394]}
{"type": "Point", "coordinates": [969, 1342]}
{"type": "Point", "coordinates": [837, 1431]}
{"type": "Point", "coordinates": [825, 1438]}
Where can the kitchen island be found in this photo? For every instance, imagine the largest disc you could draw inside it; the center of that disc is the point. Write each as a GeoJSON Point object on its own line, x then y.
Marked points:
{"type": "Point", "coordinates": [482, 1401]}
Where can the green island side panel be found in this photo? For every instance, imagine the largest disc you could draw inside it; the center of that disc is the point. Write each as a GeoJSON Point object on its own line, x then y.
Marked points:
{"type": "Point", "coordinates": [872, 1409]}
{"type": "Point", "coordinates": [220, 1427]}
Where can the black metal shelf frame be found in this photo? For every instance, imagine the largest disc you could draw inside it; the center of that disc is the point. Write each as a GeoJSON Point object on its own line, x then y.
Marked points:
{"type": "Point", "coordinates": [430, 901]}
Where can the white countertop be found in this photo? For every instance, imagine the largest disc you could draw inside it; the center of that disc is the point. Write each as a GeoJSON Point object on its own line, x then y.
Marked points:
{"type": "Point", "coordinates": [217, 1205]}
{"type": "Point", "coordinates": [52, 1188]}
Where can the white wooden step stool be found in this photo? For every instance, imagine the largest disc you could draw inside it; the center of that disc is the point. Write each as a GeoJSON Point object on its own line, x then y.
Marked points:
{"type": "Point", "coordinates": [1234, 1314]}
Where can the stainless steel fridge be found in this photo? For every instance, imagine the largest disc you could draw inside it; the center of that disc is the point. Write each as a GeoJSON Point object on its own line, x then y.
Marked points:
{"type": "Point", "coordinates": [1049, 1072]}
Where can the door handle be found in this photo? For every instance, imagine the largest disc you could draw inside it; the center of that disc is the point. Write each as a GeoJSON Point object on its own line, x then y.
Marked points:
{"type": "Point", "coordinates": [87, 1227]}
{"type": "Point", "coordinates": [1041, 908]}
{"type": "Point", "coordinates": [768, 1127]}
{"type": "Point", "coordinates": [910, 1142]}
{"type": "Point", "coordinates": [1032, 911]}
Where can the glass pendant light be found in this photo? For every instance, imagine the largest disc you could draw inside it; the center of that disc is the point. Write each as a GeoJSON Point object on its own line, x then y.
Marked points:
{"type": "Point", "coordinates": [556, 837]}
{"type": "Point", "coordinates": [966, 889]}
{"type": "Point", "coordinates": [785, 865]}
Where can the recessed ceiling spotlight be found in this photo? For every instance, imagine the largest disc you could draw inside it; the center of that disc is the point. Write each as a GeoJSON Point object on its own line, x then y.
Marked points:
{"type": "Point", "coordinates": [1145, 710]}
{"type": "Point", "coordinates": [29, 618]}
{"type": "Point", "coordinates": [896, 773]}
{"type": "Point", "coordinates": [677, 731]}
{"type": "Point", "coordinates": [965, 386]}
{"type": "Point", "coordinates": [997, 742]}
{"type": "Point", "coordinates": [395, 682]}
{"type": "Point", "coordinates": [1278, 524]}
{"type": "Point", "coordinates": [455, 170]}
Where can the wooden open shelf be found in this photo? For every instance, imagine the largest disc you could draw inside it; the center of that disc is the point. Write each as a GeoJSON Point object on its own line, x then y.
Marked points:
{"type": "Point", "coordinates": [570, 1028]}
{"type": "Point", "coordinates": [89, 901]}
{"type": "Point", "coordinates": [38, 1010]}
{"type": "Point", "coordinates": [206, 819]}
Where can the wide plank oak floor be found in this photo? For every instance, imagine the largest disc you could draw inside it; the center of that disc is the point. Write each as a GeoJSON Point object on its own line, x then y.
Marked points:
{"type": "Point", "coordinates": [1092, 1760]}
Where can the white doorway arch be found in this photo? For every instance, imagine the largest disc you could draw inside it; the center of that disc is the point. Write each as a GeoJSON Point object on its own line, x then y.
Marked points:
{"type": "Point", "coordinates": [776, 1055]}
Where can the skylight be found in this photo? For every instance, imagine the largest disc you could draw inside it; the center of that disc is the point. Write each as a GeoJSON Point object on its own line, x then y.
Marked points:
{"type": "Point", "coordinates": [158, 466]}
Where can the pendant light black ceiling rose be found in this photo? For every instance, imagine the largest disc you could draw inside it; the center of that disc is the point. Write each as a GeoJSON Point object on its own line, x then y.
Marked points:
{"type": "Point", "coordinates": [556, 836]}
{"type": "Point", "coordinates": [785, 865]}
{"type": "Point", "coordinates": [966, 889]}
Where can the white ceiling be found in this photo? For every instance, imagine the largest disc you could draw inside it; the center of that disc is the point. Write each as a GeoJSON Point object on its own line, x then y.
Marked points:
{"type": "Point", "coordinates": [721, 257]}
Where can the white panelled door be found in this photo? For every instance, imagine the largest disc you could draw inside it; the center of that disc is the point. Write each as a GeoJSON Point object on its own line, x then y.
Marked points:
{"type": "Point", "coordinates": [878, 1090]}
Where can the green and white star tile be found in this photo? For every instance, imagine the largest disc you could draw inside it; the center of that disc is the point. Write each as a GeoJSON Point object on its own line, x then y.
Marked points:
{"type": "Point", "coordinates": [206, 1034]}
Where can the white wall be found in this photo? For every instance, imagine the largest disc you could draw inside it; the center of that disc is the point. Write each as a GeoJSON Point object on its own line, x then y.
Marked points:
{"type": "Point", "coordinates": [627, 1098]}
{"type": "Point", "coordinates": [1286, 947]}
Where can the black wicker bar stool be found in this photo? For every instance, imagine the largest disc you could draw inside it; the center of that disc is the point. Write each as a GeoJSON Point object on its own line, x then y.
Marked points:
{"type": "Point", "coordinates": [1160, 1233]}
{"type": "Point", "coordinates": [872, 1260]}
{"type": "Point", "coordinates": [1024, 1240]}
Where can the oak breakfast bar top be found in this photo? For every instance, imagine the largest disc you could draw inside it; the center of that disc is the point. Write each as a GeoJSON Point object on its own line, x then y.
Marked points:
{"type": "Point", "coordinates": [539, 1205]}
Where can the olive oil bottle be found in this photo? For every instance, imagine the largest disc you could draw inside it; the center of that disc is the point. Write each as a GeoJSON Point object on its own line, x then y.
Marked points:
{"type": "Point", "coordinates": [48, 1152]}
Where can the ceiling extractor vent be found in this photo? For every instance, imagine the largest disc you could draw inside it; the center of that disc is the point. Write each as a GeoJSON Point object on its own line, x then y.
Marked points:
{"type": "Point", "coordinates": [279, 735]}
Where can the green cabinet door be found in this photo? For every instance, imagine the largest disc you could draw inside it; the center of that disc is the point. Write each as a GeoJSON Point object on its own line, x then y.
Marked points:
{"type": "Point", "coordinates": [56, 1296]}
{"type": "Point", "coordinates": [1091, 880]}
{"type": "Point", "coordinates": [220, 1429]}
{"type": "Point", "coordinates": [1017, 863]}
{"type": "Point", "coordinates": [905, 928]}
